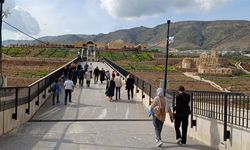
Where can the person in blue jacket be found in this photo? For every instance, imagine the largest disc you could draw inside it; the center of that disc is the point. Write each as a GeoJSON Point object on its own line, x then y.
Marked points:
{"type": "Point", "coordinates": [56, 90]}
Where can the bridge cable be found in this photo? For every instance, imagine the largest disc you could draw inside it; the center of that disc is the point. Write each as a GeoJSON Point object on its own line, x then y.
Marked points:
{"type": "Point", "coordinates": [25, 33]}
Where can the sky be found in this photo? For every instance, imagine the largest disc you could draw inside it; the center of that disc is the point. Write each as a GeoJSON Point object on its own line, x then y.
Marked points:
{"type": "Point", "coordinates": [57, 17]}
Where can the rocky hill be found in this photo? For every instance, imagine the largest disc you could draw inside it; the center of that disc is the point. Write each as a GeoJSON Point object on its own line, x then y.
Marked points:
{"type": "Point", "coordinates": [224, 35]}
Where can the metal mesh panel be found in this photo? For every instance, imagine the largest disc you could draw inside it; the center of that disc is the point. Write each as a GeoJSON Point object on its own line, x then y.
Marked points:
{"type": "Point", "coordinates": [23, 95]}
{"type": "Point", "coordinates": [7, 98]}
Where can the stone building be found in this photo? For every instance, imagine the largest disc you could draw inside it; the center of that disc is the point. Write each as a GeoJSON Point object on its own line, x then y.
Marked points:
{"type": "Point", "coordinates": [142, 46]}
{"type": "Point", "coordinates": [89, 51]}
{"type": "Point", "coordinates": [207, 64]}
{"type": "Point", "coordinates": [188, 63]}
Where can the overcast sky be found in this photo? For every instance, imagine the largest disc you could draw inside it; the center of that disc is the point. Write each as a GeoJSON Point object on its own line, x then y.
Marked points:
{"type": "Point", "coordinates": [57, 17]}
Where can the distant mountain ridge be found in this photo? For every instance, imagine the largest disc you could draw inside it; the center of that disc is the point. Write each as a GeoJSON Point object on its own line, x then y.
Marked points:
{"type": "Point", "coordinates": [223, 35]}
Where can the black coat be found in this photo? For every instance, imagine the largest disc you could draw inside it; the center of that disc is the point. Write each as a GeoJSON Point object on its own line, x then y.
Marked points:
{"type": "Point", "coordinates": [96, 72]}
{"type": "Point", "coordinates": [130, 83]}
{"type": "Point", "coordinates": [102, 75]}
{"type": "Point", "coordinates": [182, 105]}
{"type": "Point", "coordinates": [110, 89]}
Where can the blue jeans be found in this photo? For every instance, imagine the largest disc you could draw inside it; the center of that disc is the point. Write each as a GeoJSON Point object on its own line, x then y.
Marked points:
{"type": "Point", "coordinates": [158, 127]}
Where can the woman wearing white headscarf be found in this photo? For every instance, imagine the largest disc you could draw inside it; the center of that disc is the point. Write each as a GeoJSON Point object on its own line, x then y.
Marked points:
{"type": "Point", "coordinates": [160, 107]}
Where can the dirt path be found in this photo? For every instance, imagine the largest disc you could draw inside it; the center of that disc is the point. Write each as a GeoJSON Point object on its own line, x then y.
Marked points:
{"type": "Point", "coordinates": [196, 77]}
{"type": "Point", "coordinates": [238, 65]}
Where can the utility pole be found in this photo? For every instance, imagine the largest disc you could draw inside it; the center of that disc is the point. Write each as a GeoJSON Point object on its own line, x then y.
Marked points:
{"type": "Point", "coordinates": [166, 63]}
{"type": "Point", "coordinates": [1, 56]}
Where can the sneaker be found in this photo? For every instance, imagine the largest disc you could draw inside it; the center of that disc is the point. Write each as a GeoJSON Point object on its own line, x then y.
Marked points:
{"type": "Point", "coordinates": [183, 144]}
{"type": "Point", "coordinates": [159, 143]}
{"type": "Point", "coordinates": [178, 141]}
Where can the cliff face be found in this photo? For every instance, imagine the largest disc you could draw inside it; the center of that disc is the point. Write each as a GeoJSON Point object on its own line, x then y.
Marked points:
{"type": "Point", "coordinates": [226, 35]}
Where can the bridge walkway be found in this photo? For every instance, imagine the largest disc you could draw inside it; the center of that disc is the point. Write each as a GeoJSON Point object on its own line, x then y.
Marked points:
{"type": "Point", "coordinates": [92, 122]}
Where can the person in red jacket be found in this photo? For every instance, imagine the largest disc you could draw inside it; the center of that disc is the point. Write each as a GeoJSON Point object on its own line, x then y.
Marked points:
{"type": "Point", "coordinates": [113, 74]}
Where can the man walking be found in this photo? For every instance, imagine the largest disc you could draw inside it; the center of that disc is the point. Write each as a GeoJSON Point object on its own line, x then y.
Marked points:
{"type": "Point", "coordinates": [130, 86]}
{"type": "Point", "coordinates": [69, 87]}
{"type": "Point", "coordinates": [118, 85]}
{"type": "Point", "coordinates": [181, 118]}
{"type": "Point", "coordinates": [55, 91]}
{"type": "Point", "coordinates": [96, 74]}
{"type": "Point", "coordinates": [81, 76]}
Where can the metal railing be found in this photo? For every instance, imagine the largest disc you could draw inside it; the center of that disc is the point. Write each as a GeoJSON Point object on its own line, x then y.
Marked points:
{"type": "Point", "coordinates": [230, 108]}
{"type": "Point", "coordinates": [11, 97]}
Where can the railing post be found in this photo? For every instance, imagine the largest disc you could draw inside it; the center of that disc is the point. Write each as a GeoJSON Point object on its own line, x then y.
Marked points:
{"type": "Point", "coordinates": [38, 94]}
{"type": "Point", "coordinates": [150, 94]}
{"type": "Point", "coordinates": [137, 84]}
{"type": "Point", "coordinates": [44, 88]}
{"type": "Point", "coordinates": [14, 115]}
{"type": "Point", "coordinates": [29, 99]}
{"type": "Point", "coordinates": [142, 96]}
{"type": "Point", "coordinates": [226, 132]}
{"type": "Point", "coordinates": [193, 122]}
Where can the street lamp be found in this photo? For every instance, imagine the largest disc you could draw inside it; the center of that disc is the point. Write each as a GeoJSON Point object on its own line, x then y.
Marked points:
{"type": "Point", "coordinates": [166, 63]}
{"type": "Point", "coordinates": [1, 73]}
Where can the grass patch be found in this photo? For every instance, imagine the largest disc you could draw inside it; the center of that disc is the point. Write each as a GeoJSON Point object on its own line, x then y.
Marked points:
{"type": "Point", "coordinates": [32, 74]}
{"type": "Point", "coordinates": [130, 56]}
{"type": "Point", "coordinates": [15, 52]}
{"type": "Point", "coordinates": [138, 67]}
{"type": "Point", "coordinates": [41, 52]}
{"type": "Point", "coordinates": [245, 75]}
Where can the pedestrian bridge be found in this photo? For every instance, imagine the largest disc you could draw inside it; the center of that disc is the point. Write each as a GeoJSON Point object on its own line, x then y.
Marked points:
{"type": "Point", "coordinates": [90, 121]}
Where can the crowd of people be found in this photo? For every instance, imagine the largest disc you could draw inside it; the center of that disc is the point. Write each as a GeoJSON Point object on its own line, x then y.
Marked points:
{"type": "Point", "coordinates": [159, 106]}
{"type": "Point", "coordinates": [74, 74]}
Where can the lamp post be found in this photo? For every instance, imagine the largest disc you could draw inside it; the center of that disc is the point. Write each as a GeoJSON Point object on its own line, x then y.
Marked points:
{"type": "Point", "coordinates": [1, 73]}
{"type": "Point", "coordinates": [166, 63]}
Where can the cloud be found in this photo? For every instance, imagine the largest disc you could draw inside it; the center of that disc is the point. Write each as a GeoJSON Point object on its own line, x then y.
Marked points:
{"type": "Point", "coordinates": [20, 18]}
{"type": "Point", "coordinates": [130, 9]}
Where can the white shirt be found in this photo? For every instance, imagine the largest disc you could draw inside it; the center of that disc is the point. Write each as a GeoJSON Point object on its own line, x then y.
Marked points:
{"type": "Point", "coordinates": [68, 85]}
{"type": "Point", "coordinates": [90, 68]}
{"type": "Point", "coordinates": [118, 81]}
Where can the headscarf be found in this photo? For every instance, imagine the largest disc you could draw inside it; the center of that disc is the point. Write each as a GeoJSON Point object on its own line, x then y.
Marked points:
{"type": "Point", "coordinates": [160, 92]}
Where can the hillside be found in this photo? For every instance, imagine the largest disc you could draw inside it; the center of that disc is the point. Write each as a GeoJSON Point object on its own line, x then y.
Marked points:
{"type": "Point", "coordinates": [224, 35]}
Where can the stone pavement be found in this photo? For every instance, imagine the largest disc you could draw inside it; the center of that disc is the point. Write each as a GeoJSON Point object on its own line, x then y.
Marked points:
{"type": "Point", "coordinates": [92, 122]}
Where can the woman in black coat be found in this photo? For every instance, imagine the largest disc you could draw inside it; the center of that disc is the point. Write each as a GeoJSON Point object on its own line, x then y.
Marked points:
{"type": "Point", "coordinates": [102, 75]}
{"type": "Point", "coordinates": [110, 89]}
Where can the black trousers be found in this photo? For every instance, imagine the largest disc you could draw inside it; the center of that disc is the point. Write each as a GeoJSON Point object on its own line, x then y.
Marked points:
{"type": "Point", "coordinates": [183, 122]}
{"type": "Point", "coordinates": [81, 81]}
{"type": "Point", "coordinates": [117, 90]}
{"type": "Point", "coordinates": [130, 90]}
{"type": "Point", "coordinates": [57, 97]}
{"type": "Point", "coordinates": [96, 78]}
{"type": "Point", "coordinates": [88, 83]}
{"type": "Point", "coordinates": [67, 92]}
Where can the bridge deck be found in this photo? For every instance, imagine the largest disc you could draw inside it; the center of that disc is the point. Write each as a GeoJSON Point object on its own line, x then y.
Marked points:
{"type": "Point", "coordinates": [92, 122]}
